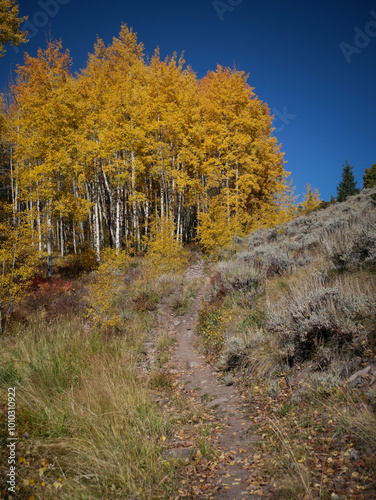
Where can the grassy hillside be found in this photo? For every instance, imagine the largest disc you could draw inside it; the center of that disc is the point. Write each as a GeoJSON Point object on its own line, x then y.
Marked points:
{"type": "Point", "coordinates": [288, 318]}
{"type": "Point", "coordinates": [291, 318]}
{"type": "Point", "coordinates": [89, 417]}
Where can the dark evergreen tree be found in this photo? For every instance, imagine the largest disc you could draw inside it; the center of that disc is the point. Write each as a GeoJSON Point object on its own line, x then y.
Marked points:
{"type": "Point", "coordinates": [347, 186]}
{"type": "Point", "coordinates": [369, 177]}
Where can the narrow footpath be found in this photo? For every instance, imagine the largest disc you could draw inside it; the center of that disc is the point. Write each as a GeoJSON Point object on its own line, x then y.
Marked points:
{"type": "Point", "coordinates": [195, 376]}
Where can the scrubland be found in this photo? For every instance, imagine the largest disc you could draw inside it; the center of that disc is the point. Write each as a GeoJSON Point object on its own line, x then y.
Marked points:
{"type": "Point", "coordinates": [298, 333]}
{"type": "Point", "coordinates": [288, 318]}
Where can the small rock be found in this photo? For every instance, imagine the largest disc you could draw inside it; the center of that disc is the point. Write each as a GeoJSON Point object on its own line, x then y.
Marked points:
{"type": "Point", "coordinates": [355, 378]}
{"type": "Point", "coordinates": [177, 322]}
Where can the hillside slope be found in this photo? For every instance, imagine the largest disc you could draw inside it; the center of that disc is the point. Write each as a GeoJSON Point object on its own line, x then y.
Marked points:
{"type": "Point", "coordinates": [291, 316]}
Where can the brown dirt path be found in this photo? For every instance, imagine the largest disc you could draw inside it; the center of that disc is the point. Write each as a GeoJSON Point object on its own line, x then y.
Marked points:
{"type": "Point", "coordinates": [195, 376]}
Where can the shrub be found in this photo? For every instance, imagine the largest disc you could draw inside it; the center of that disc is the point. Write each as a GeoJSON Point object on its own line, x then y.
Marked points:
{"type": "Point", "coordinates": [74, 265]}
{"type": "Point", "coordinates": [54, 297]}
{"type": "Point", "coordinates": [241, 275]}
{"type": "Point", "coordinates": [211, 330]}
{"type": "Point", "coordinates": [351, 247]}
{"type": "Point", "coordinates": [234, 353]}
{"type": "Point", "coordinates": [322, 315]}
{"type": "Point", "coordinates": [103, 310]}
{"type": "Point", "coordinates": [166, 254]}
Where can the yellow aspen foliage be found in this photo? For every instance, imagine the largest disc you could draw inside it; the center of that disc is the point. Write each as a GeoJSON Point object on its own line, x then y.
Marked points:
{"type": "Point", "coordinates": [310, 202]}
{"type": "Point", "coordinates": [103, 310]}
{"type": "Point", "coordinates": [100, 154]}
{"type": "Point", "coordinates": [282, 209]}
{"type": "Point", "coordinates": [217, 227]}
{"type": "Point", "coordinates": [286, 204]}
{"type": "Point", "coordinates": [242, 162]}
{"type": "Point", "coordinates": [10, 25]}
{"type": "Point", "coordinates": [18, 260]}
{"type": "Point", "coordinates": [166, 254]}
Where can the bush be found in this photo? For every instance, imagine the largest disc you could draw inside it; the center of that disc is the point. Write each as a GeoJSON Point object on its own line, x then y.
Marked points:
{"type": "Point", "coordinates": [103, 310]}
{"type": "Point", "coordinates": [54, 297]}
{"type": "Point", "coordinates": [351, 247]}
{"type": "Point", "coordinates": [211, 330]}
{"type": "Point", "coordinates": [322, 315]}
{"type": "Point", "coordinates": [241, 275]}
{"type": "Point", "coordinates": [75, 265]}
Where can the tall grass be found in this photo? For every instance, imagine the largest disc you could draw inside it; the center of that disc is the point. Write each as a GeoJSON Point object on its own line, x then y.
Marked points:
{"type": "Point", "coordinates": [87, 418]}
{"type": "Point", "coordinates": [87, 411]}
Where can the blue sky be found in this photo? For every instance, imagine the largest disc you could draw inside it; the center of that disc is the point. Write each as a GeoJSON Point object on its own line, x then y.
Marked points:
{"type": "Point", "coordinates": [312, 62]}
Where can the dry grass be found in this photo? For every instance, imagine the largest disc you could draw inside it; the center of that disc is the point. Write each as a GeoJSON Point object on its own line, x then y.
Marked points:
{"type": "Point", "coordinates": [307, 325]}
{"type": "Point", "coordinates": [88, 421]}
{"type": "Point", "coordinates": [87, 412]}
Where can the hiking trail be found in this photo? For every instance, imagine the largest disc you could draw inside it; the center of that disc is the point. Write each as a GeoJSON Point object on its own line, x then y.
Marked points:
{"type": "Point", "coordinates": [196, 377]}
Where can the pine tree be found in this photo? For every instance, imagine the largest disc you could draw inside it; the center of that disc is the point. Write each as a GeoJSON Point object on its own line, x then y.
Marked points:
{"type": "Point", "coordinates": [369, 177]}
{"type": "Point", "coordinates": [347, 186]}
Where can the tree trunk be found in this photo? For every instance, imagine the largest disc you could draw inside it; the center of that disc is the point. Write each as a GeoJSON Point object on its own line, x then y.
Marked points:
{"type": "Point", "coordinates": [96, 233]}
{"type": "Point", "coordinates": [49, 244]}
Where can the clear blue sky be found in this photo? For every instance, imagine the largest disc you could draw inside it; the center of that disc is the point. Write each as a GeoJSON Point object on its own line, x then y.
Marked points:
{"type": "Point", "coordinates": [322, 93]}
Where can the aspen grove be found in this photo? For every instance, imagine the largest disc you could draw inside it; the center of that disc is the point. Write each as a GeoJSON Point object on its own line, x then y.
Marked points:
{"type": "Point", "coordinates": [95, 159]}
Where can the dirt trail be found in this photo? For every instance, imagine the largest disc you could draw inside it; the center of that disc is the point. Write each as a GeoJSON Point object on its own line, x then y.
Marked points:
{"type": "Point", "coordinates": [195, 376]}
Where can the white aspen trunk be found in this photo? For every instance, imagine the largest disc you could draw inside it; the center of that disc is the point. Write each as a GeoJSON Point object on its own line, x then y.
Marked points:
{"type": "Point", "coordinates": [135, 214]}
{"type": "Point", "coordinates": [179, 224]}
{"type": "Point", "coordinates": [117, 233]}
{"type": "Point", "coordinates": [57, 235]}
{"type": "Point", "coordinates": [39, 228]}
{"type": "Point", "coordinates": [61, 236]}
{"type": "Point", "coordinates": [162, 201]}
{"type": "Point", "coordinates": [100, 219]}
{"type": "Point", "coordinates": [31, 221]}
{"type": "Point", "coordinates": [13, 186]}
{"type": "Point", "coordinates": [74, 237]}
{"type": "Point", "coordinates": [110, 214]}
{"type": "Point", "coordinates": [82, 231]}
{"type": "Point", "coordinates": [49, 244]}
{"type": "Point", "coordinates": [91, 221]}
{"type": "Point", "coordinates": [126, 229]}
{"type": "Point", "coordinates": [96, 233]}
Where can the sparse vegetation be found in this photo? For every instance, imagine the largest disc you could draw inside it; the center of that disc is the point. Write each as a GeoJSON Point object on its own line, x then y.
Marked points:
{"type": "Point", "coordinates": [288, 318]}
{"type": "Point", "coordinates": [303, 299]}
{"type": "Point", "coordinates": [88, 422]}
